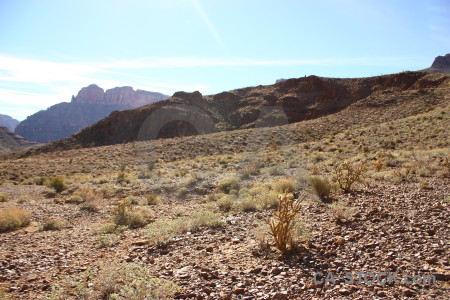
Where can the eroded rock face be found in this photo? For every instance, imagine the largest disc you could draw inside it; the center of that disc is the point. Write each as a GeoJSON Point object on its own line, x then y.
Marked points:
{"type": "Point", "coordinates": [90, 94]}
{"type": "Point", "coordinates": [89, 106]}
{"type": "Point", "coordinates": [125, 95]}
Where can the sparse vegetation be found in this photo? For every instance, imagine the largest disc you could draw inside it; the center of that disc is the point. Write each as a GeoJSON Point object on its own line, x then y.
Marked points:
{"type": "Point", "coordinates": [161, 231]}
{"type": "Point", "coordinates": [115, 281]}
{"type": "Point", "coordinates": [13, 218]}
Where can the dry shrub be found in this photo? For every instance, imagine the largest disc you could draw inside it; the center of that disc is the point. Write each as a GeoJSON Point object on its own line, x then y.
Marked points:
{"type": "Point", "coordinates": [58, 183]}
{"type": "Point", "coordinates": [228, 184]}
{"type": "Point", "coordinates": [152, 199]}
{"type": "Point", "coordinates": [321, 187]}
{"type": "Point", "coordinates": [378, 165]}
{"type": "Point", "coordinates": [3, 197]}
{"type": "Point", "coordinates": [282, 223]}
{"type": "Point", "coordinates": [346, 174]}
{"type": "Point", "coordinates": [13, 218]}
{"type": "Point", "coordinates": [284, 185]}
{"type": "Point", "coordinates": [126, 214]}
{"type": "Point", "coordinates": [341, 211]}
{"type": "Point", "coordinates": [54, 223]}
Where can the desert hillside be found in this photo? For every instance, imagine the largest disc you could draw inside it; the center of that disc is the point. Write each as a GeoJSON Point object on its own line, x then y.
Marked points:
{"type": "Point", "coordinates": [193, 206]}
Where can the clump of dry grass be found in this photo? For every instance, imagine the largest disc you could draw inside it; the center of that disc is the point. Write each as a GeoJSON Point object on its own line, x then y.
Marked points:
{"type": "Point", "coordinates": [58, 183]}
{"type": "Point", "coordinates": [227, 184]}
{"type": "Point", "coordinates": [321, 187]}
{"type": "Point", "coordinates": [3, 197]}
{"type": "Point", "coordinates": [161, 231]}
{"type": "Point", "coordinates": [285, 185]}
{"type": "Point", "coordinates": [125, 214]}
{"type": "Point", "coordinates": [54, 223]}
{"type": "Point", "coordinates": [341, 211]}
{"type": "Point", "coordinates": [13, 218]}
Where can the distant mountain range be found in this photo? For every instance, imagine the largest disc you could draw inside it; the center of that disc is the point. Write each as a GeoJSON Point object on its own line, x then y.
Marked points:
{"type": "Point", "coordinates": [90, 105]}
{"type": "Point", "coordinates": [8, 122]}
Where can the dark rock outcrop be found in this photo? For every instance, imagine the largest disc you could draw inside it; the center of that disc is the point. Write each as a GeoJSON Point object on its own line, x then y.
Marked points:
{"type": "Point", "coordinates": [441, 64]}
{"type": "Point", "coordinates": [8, 122]}
{"type": "Point", "coordinates": [89, 106]}
{"type": "Point", "coordinates": [290, 101]}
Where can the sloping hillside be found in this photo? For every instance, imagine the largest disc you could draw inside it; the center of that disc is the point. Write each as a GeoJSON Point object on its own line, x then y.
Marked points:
{"type": "Point", "coordinates": [9, 141]}
{"type": "Point", "coordinates": [301, 99]}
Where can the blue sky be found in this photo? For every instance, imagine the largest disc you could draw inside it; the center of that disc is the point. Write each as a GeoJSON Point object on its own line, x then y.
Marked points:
{"type": "Point", "coordinates": [49, 49]}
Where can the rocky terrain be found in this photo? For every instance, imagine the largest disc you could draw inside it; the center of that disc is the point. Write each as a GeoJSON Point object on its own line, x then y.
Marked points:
{"type": "Point", "coordinates": [8, 122]}
{"type": "Point", "coordinates": [9, 141]}
{"type": "Point", "coordinates": [90, 105]}
{"type": "Point", "coordinates": [187, 213]}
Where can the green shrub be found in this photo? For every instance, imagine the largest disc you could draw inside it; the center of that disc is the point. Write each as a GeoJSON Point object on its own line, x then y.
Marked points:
{"type": "Point", "coordinates": [124, 281]}
{"type": "Point", "coordinates": [57, 183]}
{"type": "Point", "coordinates": [321, 187]}
{"type": "Point", "coordinates": [228, 184]}
{"type": "Point", "coordinates": [12, 218]}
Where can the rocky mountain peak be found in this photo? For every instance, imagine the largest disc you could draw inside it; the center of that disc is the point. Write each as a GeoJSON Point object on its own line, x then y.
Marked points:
{"type": "Point", "coordinates": [442, 62]}
{"type": "Point", "coordinates": [90, 94]}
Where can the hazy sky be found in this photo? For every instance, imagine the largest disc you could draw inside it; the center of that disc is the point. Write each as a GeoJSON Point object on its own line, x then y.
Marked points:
{"type": "Point", "coordinates": [49, 49]}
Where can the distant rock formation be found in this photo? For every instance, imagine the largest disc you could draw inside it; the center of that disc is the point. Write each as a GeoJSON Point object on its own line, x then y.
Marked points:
{"type": "Point", "coordinates": [8, 122]}
{"type": "Point", "coordinates": [90, 105]}
{"type": "Point", "coordinates": [9, 141]}
{"type": "Point", "coordinates": [441, 64]}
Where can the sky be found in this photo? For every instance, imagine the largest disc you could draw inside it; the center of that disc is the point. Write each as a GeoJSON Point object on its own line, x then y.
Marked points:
{"type": "Point", "coordinates": [50, 49]}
